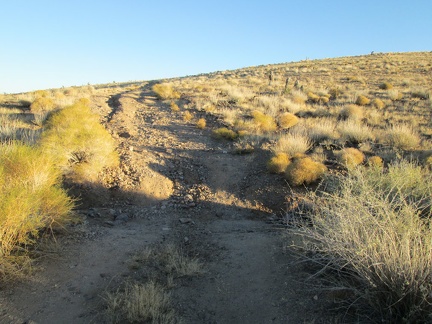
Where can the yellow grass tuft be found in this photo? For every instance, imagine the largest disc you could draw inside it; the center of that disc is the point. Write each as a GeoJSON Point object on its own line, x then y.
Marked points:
{"type": "Point", "coordinates": [362, 100]}
{"type": "Point", "coordinates": [201, 123]}
{"type": "Point", "coordinates": [386, 86]}
{"type": "Point", "coordinates": [174, 106]}
{"type": "Point", "coordinates": [350, 157]}
{"type": "Point", "coordinates": [375, 161]}
{"type": "Point", "coordinates": [352, 112]}
{"type": "Point", "coordinates": [287, 120]}
{"type": "Point", "coordinates": [278, 163]}
{"type": "Point", "coordinates": [402, 136]}
{"type": "Point", "coordinates": [304, 171]}
{"type": "Point", "coordinates": [378, 103]}
{"type": "Point", "coordinates": [41, 104]}
{"type": "Point", "coordinates": [187, 116]}
{"type": "Point", "coordinates": [165, 91]}
{"type": "Point", "coordinates": [264, 122]}
{"type": "Point", "coordinates": [225, 133]}
{"type": "Point", "coordinates": [80, 144]}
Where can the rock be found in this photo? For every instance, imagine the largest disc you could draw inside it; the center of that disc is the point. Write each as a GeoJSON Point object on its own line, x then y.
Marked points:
{"type": "Point", "coordinates": [185, 220]}
{"type": "Point", "coordinates": [109, 223]}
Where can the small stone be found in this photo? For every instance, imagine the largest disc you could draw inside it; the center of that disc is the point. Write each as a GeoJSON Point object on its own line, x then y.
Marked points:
{"type": "Point", "coordinates": [109, 223]}
{"type": "Point", "coordinates": [185, 220]}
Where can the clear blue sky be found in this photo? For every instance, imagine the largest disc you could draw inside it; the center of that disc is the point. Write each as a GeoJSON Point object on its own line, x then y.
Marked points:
{"type": "Point", "coordinates": [49, 44]}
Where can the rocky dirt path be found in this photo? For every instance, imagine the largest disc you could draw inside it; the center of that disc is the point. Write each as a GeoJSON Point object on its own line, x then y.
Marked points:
{"type": "Point", "coordinates": [176, 185]}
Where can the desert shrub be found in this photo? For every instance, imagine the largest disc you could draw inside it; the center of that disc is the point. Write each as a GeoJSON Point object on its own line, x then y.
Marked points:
{"type": "Point", "coordinates": [321, 129]}
{"type": "Point", "coordinates": [386, 86]}
{"type": "Point", "coordinates": [304, 171]}
{"type": "Point", "coordinates": [31, 199]}
{"type": "Point", "coordinates": [370, 233]}
{"type": "Point", "coordinates": [292, 143]}
{"type": "Point", "coordinates": [187, 116]}
{"type": "Point", "coordinates": [41, 104]}
{"type": "Point", "coordinates": [278, 163]}
{"type": "Point", "coordinates": [378, 103]}
{"type": "Point", "coordinates": [395, 95]}
{"type": "Point", "coordinates": [264, 122]}
{"type": "Point", "coordinates": [140, 303]}
{"type": "Point", "coordinates": [174, 106]}
{"type": "Point", "coordinates": [201, 123]}
{"type": "Point", "coordinates": [375, 161]}
{"type": "Point", "coordinates": [354, 131]}
{"type": "Point", "coordinates": [224, 133]}
{"type": "Point", "coordinates": [401, 136]}
{"type": "Point", "coordinates": [352, 112]}
{"type": "Point", "coordinates": [335, 93]}
{"type": "Point", "coordinates": [298, 97]}
{"type": "Point", "coordinates": [362, 100]}
{"type": "Point", "coordinates": [81, 145]}
{"type": "Point", "coordinates": [350, 157]}
{"type": "Point", "coordinates": [287, 120]}
{"type": "Point", "coordinates": [165, 91]}
{"type": "Point", "coordinates": [312, 97]}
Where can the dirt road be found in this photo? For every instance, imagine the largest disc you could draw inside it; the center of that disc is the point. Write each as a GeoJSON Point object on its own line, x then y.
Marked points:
{"type": "Point", "coordinates": [176, 185]}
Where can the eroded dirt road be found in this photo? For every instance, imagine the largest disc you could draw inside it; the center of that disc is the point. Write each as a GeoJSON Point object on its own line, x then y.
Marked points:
{"type": "Point", "coordinates": [177, 185]}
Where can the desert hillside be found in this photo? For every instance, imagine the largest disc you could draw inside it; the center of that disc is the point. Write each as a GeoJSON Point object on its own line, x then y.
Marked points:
{"type": "Point", "coordinates": [288, 193]}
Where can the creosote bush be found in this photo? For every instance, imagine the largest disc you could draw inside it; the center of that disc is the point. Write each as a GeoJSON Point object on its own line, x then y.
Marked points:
{"type": "Point", "coordinates": [31, 199]}
{"type": "Point", "coordinates": [81, 145]}
{"type": "Point", "coordinates": [278, 163]}
{"type": "Point", "coordinates": [304, 170]}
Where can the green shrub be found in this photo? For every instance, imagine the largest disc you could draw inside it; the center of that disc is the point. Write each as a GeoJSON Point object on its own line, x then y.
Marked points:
{"type": "Point", "coordinates": [31, 199]}
{"type": "Point", "coordinates": [304, 171]}
{"type": "Point", "coordinates": [81, 145]}
{"type": "Point", "coordinates": [370, 230]}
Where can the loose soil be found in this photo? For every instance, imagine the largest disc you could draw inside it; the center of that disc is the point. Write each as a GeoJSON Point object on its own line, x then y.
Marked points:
{"type": "Point", "coordinates": [177, 185]}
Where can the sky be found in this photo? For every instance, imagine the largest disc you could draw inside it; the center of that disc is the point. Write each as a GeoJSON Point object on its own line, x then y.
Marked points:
{"type": "Point", "coordinates": [50, 44]}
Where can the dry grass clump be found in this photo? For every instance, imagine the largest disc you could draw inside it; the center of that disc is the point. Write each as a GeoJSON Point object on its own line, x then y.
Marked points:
{"type": "Point", "coordinates": [292, 144]}
{"type": "Point", "coordinates": [225, 133]}
{"type": "Point", "coordinates": [287, 120]}
{"type": "Point", "coordinates": [80, 144]}
{"type": "Point", "coordinates": [354, 131]}
{"type": "Point", "coordinates": [350, 157]}
{"type": "Point", "coordinates": [402, 136]}
{"type": "Point", "coordinates": [165, 91]}
{"type": "Point", "coordinates": [187, 116]}
{"type": "Point", "coordinates": [265, 123]}
{"type": "Point", "coordinates": [298, 97]}
{"type": "Point", "coordinates": [41, 104]}
{"type": "Point", "coordinates": [31, 199]}
{"type": "Point", "coordinates": [278, 163]}
{"type": "Point", "coordinates": [386, 86]}
{"type": "Point", "coordinates": [140, 303]}
{"type": "Point", "coordinates": [422, 94]}
{"type": "Point", "coordinates": [362, 100]}
{"type": "Point", "coordinates": [375, 161]}
{"type": "Point", "coordinates": [378, 103]}
{"type": "Point", "coordinates": [174, 106]}
{"type": "Point", "coordinates": [352, 112]}
{"type": "Point", "coordinates": [201, 123]}
{"type": "Point", "coordinates": [321, 129]}
{"type": "Point", "coordinates": [304, 171]}
{"type": "Point", "coordinates": [371, 232]}
{"type": "Point", "coordinates": [395, 95]}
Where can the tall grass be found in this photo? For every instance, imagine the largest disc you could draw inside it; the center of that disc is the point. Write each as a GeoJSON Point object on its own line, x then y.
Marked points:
{"type": "Point", "coordinates": [81, 145]}
{"type": "Point", "coordinates": [31, 199]}
{"type": "Point", "coordinates": [371, 231]}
